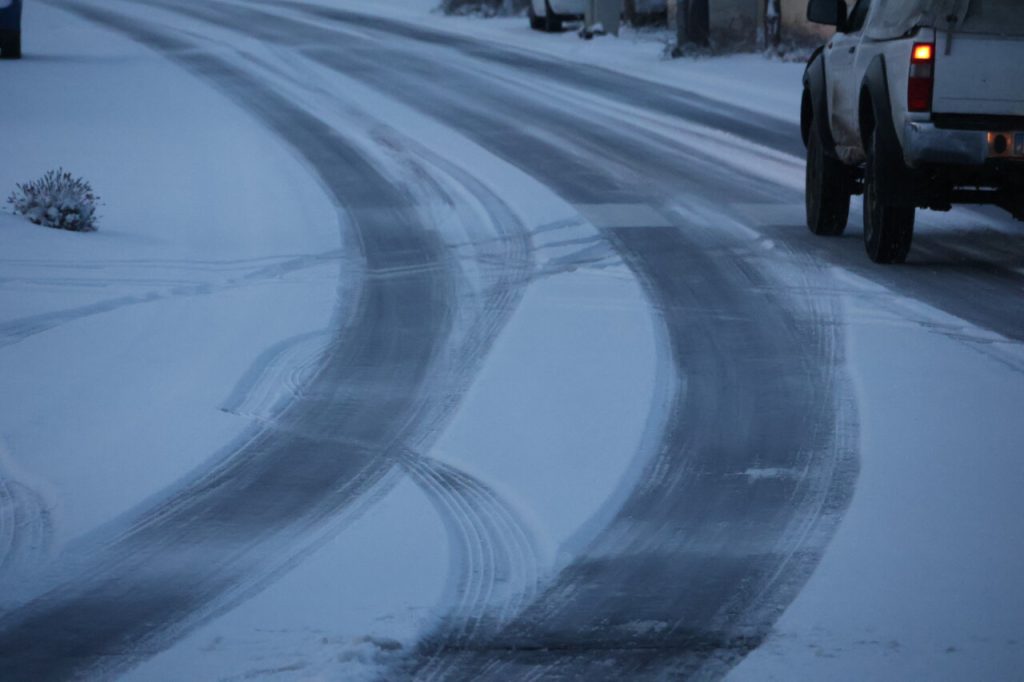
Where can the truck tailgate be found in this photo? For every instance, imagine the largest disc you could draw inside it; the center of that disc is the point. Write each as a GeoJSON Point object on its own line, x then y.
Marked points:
{"type": "Point", "coordinates": [982, 74]}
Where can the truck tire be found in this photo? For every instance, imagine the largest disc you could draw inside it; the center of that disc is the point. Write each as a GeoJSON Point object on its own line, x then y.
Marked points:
{"type": "Point", "coordinates": [552, 22]}
{"type": "Point", "coordinates": [10, 45]}
{"type": "Point", "coordinates": [827, 188]}
{"type": "Point", "coordinates": [888, 229]}
{"type": "Point", "coordinates": [536, 23]}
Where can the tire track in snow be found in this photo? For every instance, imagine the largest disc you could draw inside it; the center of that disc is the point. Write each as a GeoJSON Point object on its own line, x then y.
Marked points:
{"type": "Point", "coordinates": [506, 258]}
{"type": "Point", "coordinates": [26, 528]}
{"type": "Point", "coordinates": [946, 271]}
{"type": "Point", "coordinates": [645, 596]}
{"type": "Point", "coordinates": [509, 266]}
{"type": "Point", "coordinates": [495, 552]}
{"type": "Point", "coordinates": [733, 511]}
{"type": "Point", "coordinates": [17, 330]}
{"type": "Point", "coordinates": [495, 562]}
{"type": "Point", "coordinates": [278, 376]}
{"type": "Point", "coordinates": [231, 528]}
{"type": "Point", "coordinates": [495, 558]}
{"type": "Point", "coordinates": [675, 101]}
{"type": "Point", "coordinates": [662, 589]}
{"type": "Point", "coordinates": [124, 593]}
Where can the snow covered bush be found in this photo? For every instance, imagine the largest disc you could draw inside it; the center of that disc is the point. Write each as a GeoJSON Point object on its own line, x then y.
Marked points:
{"type": "Point", "coordinates": [58, 199]}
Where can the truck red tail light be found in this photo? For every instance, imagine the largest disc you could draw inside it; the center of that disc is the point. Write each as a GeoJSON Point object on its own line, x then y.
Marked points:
{"type": "Point", "coordinates": [922, 77]}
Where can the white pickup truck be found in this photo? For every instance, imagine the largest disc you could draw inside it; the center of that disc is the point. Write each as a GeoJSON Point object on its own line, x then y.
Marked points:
{"type": "Point", "coordinates": [915, 104]}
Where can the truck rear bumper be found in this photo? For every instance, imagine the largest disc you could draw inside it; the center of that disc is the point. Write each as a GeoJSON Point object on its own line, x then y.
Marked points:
{"type": "Point", "coordinates": [924, 143]}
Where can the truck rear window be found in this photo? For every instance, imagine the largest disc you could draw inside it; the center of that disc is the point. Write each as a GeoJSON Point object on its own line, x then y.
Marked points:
{"type": "Point", "coordinates": [1001, 17]}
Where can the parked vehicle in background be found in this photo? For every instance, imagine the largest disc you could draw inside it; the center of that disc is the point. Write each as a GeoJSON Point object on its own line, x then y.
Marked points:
{"type": "Point", "coordinates": [915, 104]}
{"type": "Point", "coordinates": [548, 15]}
{"type": "Point", "coordinates": [10, 29]}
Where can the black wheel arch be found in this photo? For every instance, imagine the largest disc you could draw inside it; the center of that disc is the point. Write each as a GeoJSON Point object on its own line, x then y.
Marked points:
{"type": "Point", "coordinates": [874, 116]}
{"type": "Point", "coordinates": [814, 103]}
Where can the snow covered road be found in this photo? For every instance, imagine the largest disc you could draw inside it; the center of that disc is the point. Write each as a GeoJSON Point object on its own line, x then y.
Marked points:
{"type": "Point", "coordinates": [579, 314]}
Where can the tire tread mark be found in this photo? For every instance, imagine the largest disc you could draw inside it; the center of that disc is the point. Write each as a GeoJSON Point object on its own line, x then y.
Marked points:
{"type": "Point", "coordinates": [494, 556]}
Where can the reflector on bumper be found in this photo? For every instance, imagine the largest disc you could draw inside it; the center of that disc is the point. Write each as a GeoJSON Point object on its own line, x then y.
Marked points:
{"type": "Point", "coordinates": [1006, 145]}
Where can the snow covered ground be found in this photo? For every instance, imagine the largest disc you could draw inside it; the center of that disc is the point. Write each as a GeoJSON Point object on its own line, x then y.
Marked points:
{"type": "Point", "coordinates": [922, 580]}
{"type": "Point", "coordinates": [216, 250]}
{"type": "Point", "coordinates": [120, 349]}
{"type": "Point", "coordinates": [132, 355]}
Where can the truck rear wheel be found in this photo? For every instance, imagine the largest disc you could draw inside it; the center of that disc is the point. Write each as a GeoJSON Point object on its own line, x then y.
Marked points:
{"type": "Point", "coordinates": [10, 45]}
{"type": "Point", "coordinates": [536, 23]}
{"type": "Point", "coordinates": [827, 188]}
{"type": "Point", "coordinates": [888, 228]}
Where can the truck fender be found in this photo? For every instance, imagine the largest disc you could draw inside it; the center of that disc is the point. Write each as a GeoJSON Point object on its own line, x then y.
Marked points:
{"type": "Point", "coordinates": [814, 104]}
{"type": "Point", "coordinates": [875, 115]}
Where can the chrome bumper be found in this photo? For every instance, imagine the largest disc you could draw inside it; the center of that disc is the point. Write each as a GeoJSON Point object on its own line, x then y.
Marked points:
{"type": "Point", "coordinates": [924, 143]}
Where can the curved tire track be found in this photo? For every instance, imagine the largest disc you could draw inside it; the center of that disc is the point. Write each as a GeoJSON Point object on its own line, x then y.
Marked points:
{"type": "Point", "coordinates": [26, 528]}
{"type": "Point", "coordinates": [493, 552]}
{"type": "Point", "coordinates": [948, 272]}
{"type": "Point", "coordinates": [16, 330]}
{"type": "Point", "coordinates": [662, 535]}
{"type": "Point", "coordinates": [125, 593]}
{"type": "Point", "coordinates": [231, 528]}
{"type": "Point", "coordinates": [705, 554]}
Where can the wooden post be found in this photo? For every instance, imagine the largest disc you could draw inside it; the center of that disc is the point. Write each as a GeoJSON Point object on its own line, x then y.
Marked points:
{"type": "Point", "coordinates": [773, 24]}
{"type": "Point", "coordinates": [694, 27]}
{"type": "Point", "coordinates": [607, 13]}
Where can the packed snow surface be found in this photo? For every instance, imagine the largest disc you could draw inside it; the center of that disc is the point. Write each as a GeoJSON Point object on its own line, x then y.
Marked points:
{"type": "Point", "coordinates": [226, 268]}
